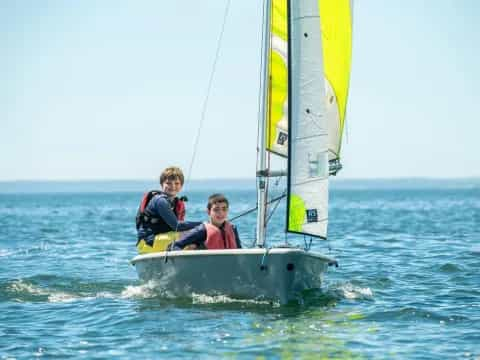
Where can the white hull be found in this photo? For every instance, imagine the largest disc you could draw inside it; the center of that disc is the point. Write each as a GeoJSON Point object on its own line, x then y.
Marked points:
{"type": "Point", "coordinates": [278, 274]}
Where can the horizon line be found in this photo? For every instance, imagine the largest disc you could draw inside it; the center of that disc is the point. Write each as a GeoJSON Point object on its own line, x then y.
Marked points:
{"type": "Point", "coordinates": [240, 179]}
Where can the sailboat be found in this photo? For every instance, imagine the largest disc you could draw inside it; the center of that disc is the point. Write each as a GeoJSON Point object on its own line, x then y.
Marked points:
{"type": "Point", "coordinates": [306, 68]}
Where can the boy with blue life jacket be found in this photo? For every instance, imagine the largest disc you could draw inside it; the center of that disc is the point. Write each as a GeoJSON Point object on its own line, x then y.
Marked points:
{"type": "Point", "coordinates": [161, 215]}
{"type": "Point", "coordinates": [218, 233]}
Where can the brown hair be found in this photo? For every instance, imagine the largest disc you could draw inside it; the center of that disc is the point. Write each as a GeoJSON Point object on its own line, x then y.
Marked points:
{"type": "Point", "coordinates": [215, 199]}
{"type": "Point", "coordinates": [172, 173]}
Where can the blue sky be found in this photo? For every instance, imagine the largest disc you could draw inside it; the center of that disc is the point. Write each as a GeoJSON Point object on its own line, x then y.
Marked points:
{"type": "Point", "coordinates": [114, 89]}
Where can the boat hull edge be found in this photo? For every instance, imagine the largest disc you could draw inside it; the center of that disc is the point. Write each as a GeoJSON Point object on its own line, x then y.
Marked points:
{"type": "Point", "coordinates": [278, 274]}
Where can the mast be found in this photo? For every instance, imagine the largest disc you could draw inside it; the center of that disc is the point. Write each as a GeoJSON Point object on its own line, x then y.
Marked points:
{"type": "Point", "coordinates": [261, 146]}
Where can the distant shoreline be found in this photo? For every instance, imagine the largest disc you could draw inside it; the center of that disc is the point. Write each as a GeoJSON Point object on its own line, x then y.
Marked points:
{"type": "Point", "coordinates": [49, 186]}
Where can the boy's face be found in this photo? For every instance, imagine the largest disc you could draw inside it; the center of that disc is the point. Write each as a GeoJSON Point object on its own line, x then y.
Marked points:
{"type": "Point", "coordinates": [172, 187]}
{"type": "Point", "coordinates": [218, 213]}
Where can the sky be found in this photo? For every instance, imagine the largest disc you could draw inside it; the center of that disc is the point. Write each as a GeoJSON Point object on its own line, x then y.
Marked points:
{"type": "Point", "coordinates": [115, 89]}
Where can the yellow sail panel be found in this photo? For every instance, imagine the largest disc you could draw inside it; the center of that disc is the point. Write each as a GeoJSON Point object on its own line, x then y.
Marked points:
{"type": "Point", "coordinates": [336, 28]}
{"type": "Point", "coordinates": [277, 122]}
{"type": "Point", "coordinates": [279, 19]}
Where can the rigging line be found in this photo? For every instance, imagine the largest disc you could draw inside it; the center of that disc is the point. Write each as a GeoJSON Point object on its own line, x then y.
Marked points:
{"type": "Point", "coordinates": [307, 245]}
{"type": "Point", "coordinates": [273, 210]}
{"type": "Point", "coordinates": [209, 88]}
{"type": "Point", "coordinates": [256, 207]}
{"type": "Point", "coordinates": [267, 187]}
{"type": "Point", "coordinates": [262, 111]}
{"type": "Point", "coordinates": [267, 138]}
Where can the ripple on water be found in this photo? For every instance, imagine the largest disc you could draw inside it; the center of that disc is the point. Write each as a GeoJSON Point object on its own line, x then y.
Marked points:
{"type": "Point", "coordinates": [25, 291]}
{"type": "Point", "coordinates": [450, 268]}
{"type": "Point", "coordinates": [475, 250]}
{"type": "Point", "coordinates": [5, 252]}
{"type": "Point", "coordinates": [408, 275]}
{"type": "Point", "coordinates": [414, 313]}
{"type": "Point", "coordinates": [56, 289]}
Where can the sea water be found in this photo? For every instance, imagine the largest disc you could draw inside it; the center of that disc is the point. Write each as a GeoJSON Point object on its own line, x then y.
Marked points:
{"type": "Point", "coordinates": [407, 285]}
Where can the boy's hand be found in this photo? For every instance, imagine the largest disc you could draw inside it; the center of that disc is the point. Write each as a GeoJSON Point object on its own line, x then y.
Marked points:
{"type": "Point", "coordinates": [173, 247]}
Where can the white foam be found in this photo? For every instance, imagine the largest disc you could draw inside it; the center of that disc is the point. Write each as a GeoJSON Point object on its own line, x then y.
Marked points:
{"type": "Point", "coordinates": [39, 352]}
{"type": "Point", "coordinates": [350, 291]}
{"type": "Point", "coordinates": [22, 287]}
{"type": "Point", "coordinates": [224, 299]}
{"type": "Point", "coordinates": [62, 297]}
{"type": "Point", "coordinates": [144, 291]}
{"type": "Point", "coordinates": [4, 252]}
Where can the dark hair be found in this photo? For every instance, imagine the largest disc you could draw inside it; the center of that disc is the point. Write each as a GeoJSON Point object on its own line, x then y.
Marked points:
{"type": "Point", "coordinates": [171, 173]}
{"type": "Point", "coordinates": [215, 199]}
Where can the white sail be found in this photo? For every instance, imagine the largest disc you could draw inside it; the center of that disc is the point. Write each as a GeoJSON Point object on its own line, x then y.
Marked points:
{"type": "Point", "coordinates": [308, 135]}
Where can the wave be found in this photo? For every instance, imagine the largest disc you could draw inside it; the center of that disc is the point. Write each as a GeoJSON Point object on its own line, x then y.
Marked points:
{"type": "Point", "coordinates": [414, 313]}
{"type": "Point", "coordinates": [224, 299]}
{"type": "Point", "coordinates": [317, 297]}
{"type": "Point", "coordinates": [58, 289]}
{"type": "Point", "coordinates": [143, 291]}
{"type": "Point", "coordinates": [24, 291]}
{"type": "Point", "coordinates": [5, 252]}
{"type": "Point", "coordinates": [350, 291]}
{"type": "Point", "coordinates": [150, 290]}
{"type": "Point", "coordinates": [450, 268]}
{"type": "Point", "coordinates": [475, 250]}
{"type": "Point", "coordinates": [55, 289]}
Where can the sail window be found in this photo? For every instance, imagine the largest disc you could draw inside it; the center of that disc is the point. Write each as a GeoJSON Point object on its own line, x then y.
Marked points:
{"type": "Point", "coordinates": [312, 215]}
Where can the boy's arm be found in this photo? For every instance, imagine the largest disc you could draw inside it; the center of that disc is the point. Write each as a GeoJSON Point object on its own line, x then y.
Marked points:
{"type": "Point", "coordinates": [187, 225]}
{"type": "Point", "coordinates": [162, 208]}
{"type": "Point", "coordinates": [237, 238]}
{"type": "Point", "coordinates": [197, 236]}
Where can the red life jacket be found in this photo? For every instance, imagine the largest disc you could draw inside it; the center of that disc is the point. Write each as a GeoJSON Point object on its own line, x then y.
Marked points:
{"type": "Point", "coordinates": [143, 217]}
{"type": "Point", "coordinates": [218, 239]}
{"type": "Point", "coordinates": [180, 208]}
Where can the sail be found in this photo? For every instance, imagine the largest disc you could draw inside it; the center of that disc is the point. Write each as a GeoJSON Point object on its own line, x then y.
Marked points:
{"type": "Point", "coordinates": [308, 168]}
{"type": "Point", "coordinates": [336, 31]}
{"type": "Point", "coordinates": [277, 95]}
{"type": "Point", "coordinates": [337, 56]}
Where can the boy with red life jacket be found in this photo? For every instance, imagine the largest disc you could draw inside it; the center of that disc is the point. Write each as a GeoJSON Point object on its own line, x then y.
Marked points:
{"type": "Point", "coordinates": [161, 215]}
{"type": "Point", "coordinates": [218, 233]}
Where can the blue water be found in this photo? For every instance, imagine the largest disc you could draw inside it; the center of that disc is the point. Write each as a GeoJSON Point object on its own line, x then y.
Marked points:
{"type": "Point", "coordinates": [408, 285]}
